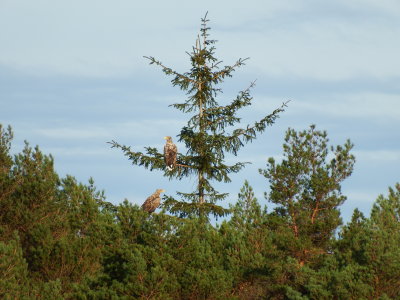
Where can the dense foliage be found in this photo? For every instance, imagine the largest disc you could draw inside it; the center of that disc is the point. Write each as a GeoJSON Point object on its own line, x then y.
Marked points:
{"type": "Point", "coordinates": [60, 239]}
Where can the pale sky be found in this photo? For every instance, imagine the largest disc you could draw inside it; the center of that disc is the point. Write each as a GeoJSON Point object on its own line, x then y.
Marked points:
{"type": "Point", "coordinates": [73, 76]}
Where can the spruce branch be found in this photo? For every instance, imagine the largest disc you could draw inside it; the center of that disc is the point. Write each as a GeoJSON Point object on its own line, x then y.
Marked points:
{"type": "Point", "coordinates": [193, 209]}
{"type": "Point", "coordinates": [153, 159]}
{"type": "Point", "coordinates": [169, 71]}
{"type": "Point", "coordinates": [227, 70]}
{"type": "Point", "coordinates": [226, 114]}
{"type": "Point", "coordinates": [249, 133]}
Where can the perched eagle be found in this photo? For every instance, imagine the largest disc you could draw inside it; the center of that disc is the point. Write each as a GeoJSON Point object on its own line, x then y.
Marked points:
{"type": "Point", "coordinates": [170, 152]}
{"type": "Point", "coordinates": [153, 201]}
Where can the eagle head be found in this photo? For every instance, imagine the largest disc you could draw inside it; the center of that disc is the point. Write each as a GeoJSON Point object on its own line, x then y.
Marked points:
{"type": "Point", "coordinates": [168, 139]}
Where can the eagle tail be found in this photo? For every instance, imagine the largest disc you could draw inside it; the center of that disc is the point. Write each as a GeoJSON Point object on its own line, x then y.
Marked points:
{"type": "Point", "coordinates": [170, 167]}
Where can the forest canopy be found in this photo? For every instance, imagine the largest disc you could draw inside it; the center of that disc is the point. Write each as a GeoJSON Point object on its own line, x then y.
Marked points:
{"type": "Point", "coordinates": [61, 239]}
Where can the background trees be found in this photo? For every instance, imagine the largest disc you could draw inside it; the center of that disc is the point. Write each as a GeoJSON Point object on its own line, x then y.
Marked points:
{"type": "Point", "coordinates": [60, 239]}
{"type": "Point", "coordinates": [49, 226]}
{"type": "Point", "coordinates": [371, 246]}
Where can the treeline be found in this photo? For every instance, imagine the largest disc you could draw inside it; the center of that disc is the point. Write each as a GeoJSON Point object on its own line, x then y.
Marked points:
{"type": "Point", "coordinates": [60, 239]}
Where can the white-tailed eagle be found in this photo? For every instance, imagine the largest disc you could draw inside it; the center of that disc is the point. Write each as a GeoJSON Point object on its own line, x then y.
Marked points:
{"type": "Point", "coordinates": [170, 153]}
{"type": "Point", "coordinates": [153, 201]}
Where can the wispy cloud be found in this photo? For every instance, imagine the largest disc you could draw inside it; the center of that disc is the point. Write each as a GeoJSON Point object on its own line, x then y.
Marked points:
{"type": "Point", "coordinates": [155, 127]}
{"type": "Point", "coordinates": [292, 38]}
{"type": "Point", "coordinates": [378, 155]}
{"type": "Point", "coordinates": [362, 105]}
{"type": "Point", "coordinates": [79, 151]}
{"type": "Point", "coordinates": [72, 133]}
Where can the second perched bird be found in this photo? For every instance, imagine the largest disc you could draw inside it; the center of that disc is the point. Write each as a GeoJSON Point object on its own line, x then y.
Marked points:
{"type": "Point", "coordinates": [153, 201]}
{"type": "Point", "coordinates": [170, 153]}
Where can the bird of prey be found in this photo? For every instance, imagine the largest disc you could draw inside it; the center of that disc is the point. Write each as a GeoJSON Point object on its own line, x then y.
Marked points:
{"type": "Point", "coordinates": [170, 152]}
{"type": "Point", "coordinates": [153, 201]}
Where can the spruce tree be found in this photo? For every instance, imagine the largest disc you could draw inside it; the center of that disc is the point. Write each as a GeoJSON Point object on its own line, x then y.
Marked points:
{"type": "Point", "coordinates": [209, 133]}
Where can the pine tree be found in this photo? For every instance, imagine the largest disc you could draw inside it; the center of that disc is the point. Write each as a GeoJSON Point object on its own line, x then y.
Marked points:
{"type": "Point", "coordinates": [382, 250]}
{"type": "Point", "coordinates": [51, 229]}
{"type": "Point", "coordinates": [368, 251]}
{"type": "Point", "coordinates": [248, 248]}
{"type": "Point", "coordinates": [13, 270]}
{"type": "Point", "coordinates": [206, 136]}
{"type": "Point", "coordinates": [306, 188]}
{"type": "Point", "coordinates": [247, 212]}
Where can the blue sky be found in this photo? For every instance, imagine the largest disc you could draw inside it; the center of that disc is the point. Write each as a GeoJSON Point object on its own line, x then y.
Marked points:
{"type": "Point", "coordinates": [73, 76]}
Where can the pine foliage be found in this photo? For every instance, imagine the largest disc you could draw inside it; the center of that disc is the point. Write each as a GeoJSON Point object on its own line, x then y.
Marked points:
{"type": "Point", "coordinates": [61, 239]}
{"type": "Point", "coordinates": [306, 188]}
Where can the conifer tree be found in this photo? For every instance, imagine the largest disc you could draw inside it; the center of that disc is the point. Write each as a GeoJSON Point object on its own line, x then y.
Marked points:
{"type": "Point", "coordinates": [248, 247]}
{"type": "Point", "coordinates": [306, 188]}
{"type": "Point", "coordinates": [208, 135]}
{"type": "Point", "coordinates": [247, 212]}
{"type": "Point", "coordinates": [368, 251]}
{"type": "Point", "coordinates": [381, 252]}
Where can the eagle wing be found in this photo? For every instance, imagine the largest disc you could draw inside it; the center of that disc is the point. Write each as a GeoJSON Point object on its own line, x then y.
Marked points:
{"type": "Point", "coordinates": [170, 153]}
{"type": "Point", "coordinates": [151, 203]}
